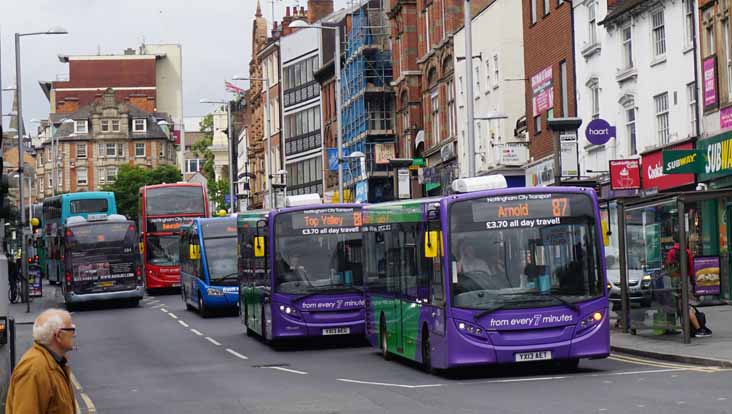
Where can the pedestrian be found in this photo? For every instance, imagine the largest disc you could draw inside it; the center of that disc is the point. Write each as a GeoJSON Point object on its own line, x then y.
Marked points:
{"type": "Point", "coordinates": [697, 319]}
{"type": "Point", "coordinates": [41, 383]}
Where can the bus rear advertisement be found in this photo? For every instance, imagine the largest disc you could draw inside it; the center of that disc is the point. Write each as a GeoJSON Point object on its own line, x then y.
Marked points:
{"type": "Point", "coordinates": [101, 260]}
{"type": "Point", "coordinates": [488, 277]}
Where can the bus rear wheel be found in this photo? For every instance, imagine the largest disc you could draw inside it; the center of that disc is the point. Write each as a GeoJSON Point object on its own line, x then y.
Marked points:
{"type": "Point", "coordinates": [250, 332]}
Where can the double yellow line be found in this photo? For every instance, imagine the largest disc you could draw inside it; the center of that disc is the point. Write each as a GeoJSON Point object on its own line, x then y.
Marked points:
{"type": "Point", "coordinates": [90, 407]}
{"type": "Point", "coordinates": [659, 364]}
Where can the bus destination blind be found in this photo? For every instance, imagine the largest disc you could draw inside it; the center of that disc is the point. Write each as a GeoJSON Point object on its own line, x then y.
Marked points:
{"type": "Point", "coordinates": [167, 224]}
{"type": "Point", "coordinates": [327, 221]}
{"type": "Point", "coordinates": [523, 210]}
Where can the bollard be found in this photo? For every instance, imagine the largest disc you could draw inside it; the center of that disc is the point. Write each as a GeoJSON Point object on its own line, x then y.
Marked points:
{"type": "Point", "coordinates": [11, 341]}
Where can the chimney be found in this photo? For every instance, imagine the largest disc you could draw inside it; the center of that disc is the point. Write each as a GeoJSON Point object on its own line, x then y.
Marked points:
{"type": "Point", "coordinates": [129, 51]}
{"type": "Point", "coordinates": [611, 3]}
{"type": "Point", "coordinates": [318, 9]}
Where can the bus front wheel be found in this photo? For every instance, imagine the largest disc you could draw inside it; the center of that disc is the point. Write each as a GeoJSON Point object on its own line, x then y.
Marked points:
{"type": "Point", "coordinates": [569, 364]}
{"type": "Point", "coordinates": [185, 299]}
{"type": "Point", "coordinates": [201, 307]}
{"type": "Point", "coordinates": [426, 351]}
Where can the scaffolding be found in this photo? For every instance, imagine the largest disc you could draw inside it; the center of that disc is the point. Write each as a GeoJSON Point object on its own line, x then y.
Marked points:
{"type": "Point", "coordinates": [366, 96]}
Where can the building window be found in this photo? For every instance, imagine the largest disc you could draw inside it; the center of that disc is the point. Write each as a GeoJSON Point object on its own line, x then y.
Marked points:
{"type": "Point", "coordinates": [532, 5]}
{"type": "Point", "coordinates": [139, 125]}
{"type": "Point", "coordinates": [563, 88]}
{"type": "Point", "coordinates": [477, 82]}
{"type": "Point", "coordinates": [546, 7]}
{"type": "Point", "coordinates": [662, 131]}
{"type": "Point", "coordinates": [102, 175]}
{"type": "Point", "coordinates": [727, 57]}
{"type": "Point", "coordinates": [630, 130]}
{"type": "Point", "coordinates": [592, 23]}
{"type": "Point", "coordinates": [496, 72]}
{"type": "Point", "coordinates": [81, 151]}
{"type": "Point", "coordinates": [710, 40]}
{"type": "Point", "coordinates": [139, 149]}
{"type": "Point", "coordinates": [659, 35]}
{"type": "Point", "coordinates": [81, 176]}
{"type": "Point", "coordinates": [627, 38]}
{"type": "Point", "coordinates": [595, 98]}
{"type": "Point", "coordinates": [115, 125]}
{"type": "Point", "coordinates": [80, 127]}
{"type": "Point", "coordinates": [111, 174]}
{"type": "Point", "coordinates": [193, 165]}
{"type": "Point", "coordinates": [691, 98]}
{"type": "Point", "coordinates": [537, 124]}
{"type": "Point", "coordinates": [451, 109]}
{"type": "Point", "coordinates": [105, 125]}
{"type": "Point", "coordinates": [689, 23]}
{"type": "Point", "coordinates": [111, 150]}
{"type": "Point", "coordinates": [427, 27]}
{"type": "Point", "coordinates": [435, 100]}
{"type": "Point", "coordinates": [488, 82]}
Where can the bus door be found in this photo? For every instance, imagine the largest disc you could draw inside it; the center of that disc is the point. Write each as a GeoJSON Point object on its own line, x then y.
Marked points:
{"type": "Point", "coordinates": [410, 295]}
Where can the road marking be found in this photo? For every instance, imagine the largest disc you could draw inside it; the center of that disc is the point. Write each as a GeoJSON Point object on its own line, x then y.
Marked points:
{"type": "Point", "coordinates": [213, 341]}
{"type": "Point", "coordinates": [75, 382]}
{"type": "Point", "coordinates": [182, 323]}
{"type": "Point", "coordinates": [387, 384]}
{"type": "Point", "coordinates": [639, 361]}
{"type": "Point", "coordinates": [722, 399]}
{"type": "Point", "coordinates": [172, 315]}
{"type": "Point", "coordinates": [236, 354]}
{"type": "Point", "coordinates": [650, 371]}
{"type": "Point", "coordinates": [90, 408]}
{"type": "Point", "coordinates": [196, 332]}
{"type": "Point", "coordinates": [164, 310]}
{"type": "Point", "coordinates": [154, 301]}
{"type": "Point", "coordinates": [293, 371]}
{"type": "Point", "coordinates": [158, 306]}
{"type": "Point", "coordinates": [77, 405]}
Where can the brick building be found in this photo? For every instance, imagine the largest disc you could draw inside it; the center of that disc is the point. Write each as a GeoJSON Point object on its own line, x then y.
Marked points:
{"type": "Point", "coordinates": [96, 139]}
{"type": "Point", "coordinates": [550, 76]}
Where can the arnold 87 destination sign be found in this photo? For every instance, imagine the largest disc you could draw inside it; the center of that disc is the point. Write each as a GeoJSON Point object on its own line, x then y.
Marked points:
{"type": "Point", "coordinates": [320, 221]}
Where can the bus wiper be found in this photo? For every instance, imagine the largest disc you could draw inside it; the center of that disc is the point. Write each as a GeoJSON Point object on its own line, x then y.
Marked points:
{"type": "Point", "coordinates": [488, 311]}
{"type": "Point", "coordinates": [328, 290]}
{"type": "Point", "coordinates": [564, 302]}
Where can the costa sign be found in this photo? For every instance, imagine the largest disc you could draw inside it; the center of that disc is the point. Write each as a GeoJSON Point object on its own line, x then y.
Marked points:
{"type": "Point", "coordinates": [653, 176]}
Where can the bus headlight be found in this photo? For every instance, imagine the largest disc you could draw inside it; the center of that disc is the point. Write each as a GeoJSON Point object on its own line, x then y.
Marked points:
{"type": "Point", "coordinates": [214, 292]}
{"type": "Point", "coordinates": [469, 328]}
{"type": "Point", "coordinates": [289, 310]}
{"type": "Point", "coordinates": [591, 320]}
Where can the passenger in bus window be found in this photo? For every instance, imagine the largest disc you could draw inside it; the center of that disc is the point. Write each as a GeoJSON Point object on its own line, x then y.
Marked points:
{"type": "Point", "coordinates": [468, 262]}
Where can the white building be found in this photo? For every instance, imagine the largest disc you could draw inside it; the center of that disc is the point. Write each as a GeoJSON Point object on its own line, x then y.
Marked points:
{"type": "Point", "coordinates": [242, 163]}
{"type": "Point", "coordinates": [634, 69]}
{"type": "Point", "coordinates": [498, 87]}
{"type": "Point", "coordinates": [220, 144]}
{"type": "Point", "coordinates": [303, 144]}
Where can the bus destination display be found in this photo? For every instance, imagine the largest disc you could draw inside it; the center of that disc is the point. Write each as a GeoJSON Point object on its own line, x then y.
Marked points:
{"type": "Point", "coordinates": [327, 221]}
{"type": "Point", "coordinates": [527, 210]}
{"type": "Point", "coordinates": [167, 224]}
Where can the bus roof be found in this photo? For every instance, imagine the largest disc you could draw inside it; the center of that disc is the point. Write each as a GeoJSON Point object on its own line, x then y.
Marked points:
{"type": "Point", "coordinates": [86, 195]}
{"type": "Point", "coordinates": [405, 211]}
{"type": "Point", "coordinates": [217, 226]}
{"type": "Point", "coordinates": [164, 185]}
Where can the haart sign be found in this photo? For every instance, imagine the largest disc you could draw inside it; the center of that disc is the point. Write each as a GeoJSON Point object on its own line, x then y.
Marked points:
{"type": "Point", "coordinates": [599, 132]}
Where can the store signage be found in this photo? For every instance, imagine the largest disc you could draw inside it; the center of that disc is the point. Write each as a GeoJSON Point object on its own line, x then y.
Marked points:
{"type": "Point", "coordinates": [384, 153]}
{"type": "Point", "coordinates": [568, 143]}
{"type": "Point", "coordinates": [653, 176]}
{"type": "Point", "coordinates": [725, 118]}
{"type": "Point", "coordinates": [625, 174]}
{"type": "Point", "coordinates": [362, 191]}
{"type": "Point", "coordinates": [683, 161]}
{"type": "Point", "coordinates": [512, 154]}
{"type": "Point", "coordinates": [599, 132]}
{"type": "Point", "coordinates": [404, 187]}
{"type": "Point", "coordinates": [710, 82]}
{"type": "Point", "coordinates": [542, 90]}
{"type": "Point", "coordinates": [706, 275]}
{"type": "Point", "coordinates": [333, 159]}
{"type": "Point", "coordinates": [717, 159]}
{"type": "Point", "coordinates": [541, 174]}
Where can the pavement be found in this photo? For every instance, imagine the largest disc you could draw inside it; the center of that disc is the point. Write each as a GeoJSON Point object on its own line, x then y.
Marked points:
{"type": "Point", "coordinates": [715, 350]}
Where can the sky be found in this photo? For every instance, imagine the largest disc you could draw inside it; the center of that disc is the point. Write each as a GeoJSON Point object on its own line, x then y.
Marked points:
{"type": "Point", "coordinates": [215, 36]}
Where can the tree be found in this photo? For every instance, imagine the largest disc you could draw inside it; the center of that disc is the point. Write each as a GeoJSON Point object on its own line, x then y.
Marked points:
{"type": "Point", "coordinates": [130, 178]}
{"type": "Point", "coordinates": [217, 192]}
{"type": "Point", "coordinates": [202, 148]}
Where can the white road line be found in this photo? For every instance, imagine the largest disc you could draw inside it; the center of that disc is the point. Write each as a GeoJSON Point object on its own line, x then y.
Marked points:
{"type": "Point", "coordinates": [293, 371]}
{"type": "Point", "coordinates": [650, 371]}
{"type": "Point", "coordinates": [519, 380]}
{"type": "Point", "coordinates": [236, 354]}
{"type": "Point", "coordinates": [158, 306]}
{"type": "Point", "coordinates": [182, 323]}
{"type": "Point", "coordinates": [386, 384]}
{"type": "Point", "coordinates": [172, 315]}
{"type": "Point", "coordinates": [213, 341]}
{"type": "Point", "coordinates": [151, 297]}
{"type": "Point", "coordinates": [75, 382]}
{"type": "Point", "coordinates": [164, 310]}
{"type": "Point", "coordinates": [196, 332]}
{"type": "Point", "coordinates": [154, 301]}
{"type": "Point", "coordinates": [90, 408]}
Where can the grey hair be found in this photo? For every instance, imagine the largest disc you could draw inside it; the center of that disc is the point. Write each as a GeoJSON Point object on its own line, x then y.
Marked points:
{"type": "Point", "coordinates": [52, 320]}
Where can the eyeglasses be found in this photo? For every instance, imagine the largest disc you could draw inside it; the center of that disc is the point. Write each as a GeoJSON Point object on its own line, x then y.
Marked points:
{"type": "Point", "coordinates": [73, 330]}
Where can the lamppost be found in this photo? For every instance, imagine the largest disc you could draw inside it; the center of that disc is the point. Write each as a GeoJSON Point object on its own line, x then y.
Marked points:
{"type": "Point", "coordinates": [229, 136]}
{"type": "Point", "coordinates": [301, 24]}
{"type": "Point", "coordinates": [268, 123]}
{"type": "Point", "coordinates": [468, 24]}
{"type": "Point", "coordinates": [19, 100]}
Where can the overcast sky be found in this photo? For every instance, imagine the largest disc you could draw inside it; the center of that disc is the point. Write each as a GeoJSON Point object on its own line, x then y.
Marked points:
{"type": "Point", "coordinates": [215, 36]}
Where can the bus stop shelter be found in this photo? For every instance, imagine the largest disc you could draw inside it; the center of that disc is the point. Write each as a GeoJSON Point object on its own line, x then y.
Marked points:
{"type": "Point", "coordinates": [653, 293]}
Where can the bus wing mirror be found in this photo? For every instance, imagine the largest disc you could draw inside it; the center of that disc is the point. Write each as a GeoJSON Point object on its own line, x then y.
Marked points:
{"type": "Point", "coordinates": [193, 252]}
{"type": "Point", "coordinates": [142, 247]}
{"type": "Point", "coordinates": [259, 246]}
{"type": "Point", "coordinates": [432, 243]}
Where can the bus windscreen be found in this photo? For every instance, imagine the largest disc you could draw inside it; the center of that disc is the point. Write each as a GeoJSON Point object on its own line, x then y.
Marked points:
{"type": "Point", "coordinates": [524, 250]}
{"type": "Point", "coordinates": [91, 205]}
{"type": "Point", "coordinates": [88, 237]}
{"type": "Point", "coordinates": [163, 250]}
{"type": "Point", "coordinates": [318, 250]}
{"type": "Point", "coordinates": [175, 200]}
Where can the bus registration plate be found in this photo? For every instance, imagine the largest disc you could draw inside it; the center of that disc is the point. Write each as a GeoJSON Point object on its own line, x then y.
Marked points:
{"type": "Point", "coordinates": [336, 331]}
{"type": "Point", "coordinates": [533, 356]}
{"type": "Point", "coordinates": [105, 284]}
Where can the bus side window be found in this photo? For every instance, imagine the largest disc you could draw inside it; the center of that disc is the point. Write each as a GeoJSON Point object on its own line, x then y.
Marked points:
{"type": "Point", "coordinates": [433, 268]}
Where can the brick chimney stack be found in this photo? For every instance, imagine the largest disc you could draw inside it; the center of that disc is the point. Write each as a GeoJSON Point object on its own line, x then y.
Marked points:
{"type": "Point", "coordinates": [318, 9]}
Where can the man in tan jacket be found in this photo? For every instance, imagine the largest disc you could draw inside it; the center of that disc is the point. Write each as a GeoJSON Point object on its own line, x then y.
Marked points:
{"type": "Point", "coordinates": [41, 383]}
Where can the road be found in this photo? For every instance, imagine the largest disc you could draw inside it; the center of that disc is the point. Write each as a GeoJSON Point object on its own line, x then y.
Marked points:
{"type": "Point", "coordinates": [160, 358]}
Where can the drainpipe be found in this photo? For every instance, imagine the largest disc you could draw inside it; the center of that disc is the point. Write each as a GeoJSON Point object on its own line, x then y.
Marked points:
{"type": "Point", "coordinates": [696, 78]}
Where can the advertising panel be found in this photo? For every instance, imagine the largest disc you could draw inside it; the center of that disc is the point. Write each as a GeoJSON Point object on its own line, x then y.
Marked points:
{"type": "Point", "coordinates": [653, 176]}
{"type": "Point", "coordinates": [710, 82]}
{"type": "Point", "coordinates": [384, 153]}
{"type": "Point", "coordinates": [625, 174]}
{"type": "Point", "coordinates": [706, 275]}
{"type": "Point", "coordinates": [542, 91]}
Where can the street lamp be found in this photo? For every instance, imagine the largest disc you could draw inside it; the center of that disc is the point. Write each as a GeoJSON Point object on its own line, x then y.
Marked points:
{"type": "Point", "coordinates": [301, 24]}
{"type": "Point", "coordinates": [468, 24]}
{"type": "Point", "coordinates": [19, 100]}
{"type": "Point", "coordinates": [268, 123]}
{"type": "Point", "coordinates": [229, 136]}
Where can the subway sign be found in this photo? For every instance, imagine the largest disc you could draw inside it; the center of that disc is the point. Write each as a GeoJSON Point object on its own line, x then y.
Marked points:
{"type": "Point", "coordinates": [717, 156]}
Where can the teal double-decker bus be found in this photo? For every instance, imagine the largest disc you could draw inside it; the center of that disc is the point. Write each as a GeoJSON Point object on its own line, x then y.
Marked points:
{"type": "Point", "coordinates": [56, 210]}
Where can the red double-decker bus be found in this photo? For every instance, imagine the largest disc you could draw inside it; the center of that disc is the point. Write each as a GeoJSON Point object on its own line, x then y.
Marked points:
{"type": "Point", "coordinates": [163, 209]}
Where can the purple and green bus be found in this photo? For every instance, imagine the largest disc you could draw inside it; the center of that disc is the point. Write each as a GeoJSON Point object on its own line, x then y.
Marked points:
{"type": "Point", "coordinates": [487, 277]}
{"type": "Point", "coordinates": [300, 271]}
